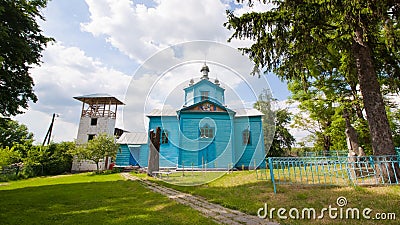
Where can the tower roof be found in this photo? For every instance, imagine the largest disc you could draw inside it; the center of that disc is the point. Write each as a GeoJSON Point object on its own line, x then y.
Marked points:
{"type": "Point", "coordinates": [205, 70]}
{"type": "Point", "coordinates": [202, 81]}
{"type": "Point", "coordinates": [99, 99]}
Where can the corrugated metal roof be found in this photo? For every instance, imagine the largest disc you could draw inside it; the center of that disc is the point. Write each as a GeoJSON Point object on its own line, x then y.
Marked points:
{"type": "Point", "coordinates": [100, 98]}
{"type": "Point", "coordinates": [247, 112]}
{"type": "Point", "coordinates": [133, 138]}
{"type": "Point", "coordinates": [97, 95]}
{"type": "Point", "coordinates": [163, 112]}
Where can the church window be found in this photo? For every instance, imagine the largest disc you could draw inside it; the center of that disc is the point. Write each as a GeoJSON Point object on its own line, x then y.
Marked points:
{"type": "Point", "coordinates": [246, 137]}
{"type": "Point", "coordinates": [204, 95]}
{"type": "Point", "coordinates": [164, 137]}
{"type": "Point", "coordinates": [206, 132]}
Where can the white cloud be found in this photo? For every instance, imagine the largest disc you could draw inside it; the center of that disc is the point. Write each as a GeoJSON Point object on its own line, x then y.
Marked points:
{"type": "Point", "coordinates": [394, 98]}
{"type": "Point", "coordinates": [39, 122]}
{"type": "Point", "coordinates": [139, 30]}
{"type": "Point", "coordinates": [292, 106]}
{"type": "Point", "coordinates": [65, 73]}
{"type": "Point", "coordinates": [257, 6]}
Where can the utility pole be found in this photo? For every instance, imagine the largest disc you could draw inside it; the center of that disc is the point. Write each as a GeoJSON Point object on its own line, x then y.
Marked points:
{"type": "Point", "coordinates": [49, 131]}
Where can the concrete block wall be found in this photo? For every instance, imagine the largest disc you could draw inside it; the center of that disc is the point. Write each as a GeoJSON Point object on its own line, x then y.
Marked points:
{"type": "Point", "coordinates": [87, 165]}
{"type": "Point", "coordinates": [104, 125]}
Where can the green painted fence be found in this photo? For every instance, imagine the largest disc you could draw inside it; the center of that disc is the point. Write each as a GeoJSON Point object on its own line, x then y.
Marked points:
{"type": "Point", "coordinates": [332, 170]}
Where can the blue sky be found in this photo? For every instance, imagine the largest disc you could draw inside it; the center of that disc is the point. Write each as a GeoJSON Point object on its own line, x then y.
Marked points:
{"type": "Point", "coordinates": [102, 44]}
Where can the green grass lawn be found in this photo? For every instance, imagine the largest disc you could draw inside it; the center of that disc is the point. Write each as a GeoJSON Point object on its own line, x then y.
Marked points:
{"type": "Point", "coordinates": [242, 191]}
{"type": "Point", "coordinates": [190, 178]}
{"type": "Point", "coordinates": [89, 199]}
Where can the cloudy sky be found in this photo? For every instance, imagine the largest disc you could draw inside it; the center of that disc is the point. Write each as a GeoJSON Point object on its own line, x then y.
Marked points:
{"type": "Point", "coordinates": [142, 52]}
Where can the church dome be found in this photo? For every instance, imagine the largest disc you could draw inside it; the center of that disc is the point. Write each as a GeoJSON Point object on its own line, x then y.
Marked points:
{"type": "Point", "coordinates": [205, 68]}
{"type": "Point", "coordinates": [216, 81]}
{"type": "Point", "coordinates": [205, 71]}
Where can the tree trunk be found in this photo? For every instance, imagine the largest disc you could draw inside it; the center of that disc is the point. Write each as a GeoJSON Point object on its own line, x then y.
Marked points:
{"type": "Point", "coordinates": [154, 152]}
{"type": "Point", "coordinates": [106, 164]}
{"type": "Point", "coordinates": [327, 143]}
{"type": "Point", "coordinates": [381, 136]}
{"type": "Point", "coordinates": [382, 142]}
{"type": "Point", "coordinates": [97, 165]}
{"type": "Point", "coordinates": [352, 146]}
{"type": "Point", "coordinates": [351, 134]}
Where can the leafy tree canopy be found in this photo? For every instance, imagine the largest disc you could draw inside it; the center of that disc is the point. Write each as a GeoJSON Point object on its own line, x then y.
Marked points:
{"type": "Point", "coordinates": [100, 147]}
{"type": "Point", "coordinates": [305, 40]}
{"type": "Point", "coordinates": [277, 137]}
{"type": "Point", "coordinates": [283, 139]}
{"type": "Point", "coordinates": [21, 44]}
{"type": "Point", "coordinates": [12, 132]}
{"type": "Point", "coordinates": [8, 156]}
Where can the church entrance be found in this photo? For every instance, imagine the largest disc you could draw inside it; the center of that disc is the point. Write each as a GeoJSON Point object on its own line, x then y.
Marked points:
{"type": "Point", "coordinates": [207, 156]}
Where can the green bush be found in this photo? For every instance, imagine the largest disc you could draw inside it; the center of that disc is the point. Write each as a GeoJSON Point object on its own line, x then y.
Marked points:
{"type": "Point", "coordinates": [117, 169]}
{"type": "Point", "coordinates": [11, 172]}
{"type": "Point", "coordinates": [35, 161]}
{"type": "Point", "coordinates": [60, 159]}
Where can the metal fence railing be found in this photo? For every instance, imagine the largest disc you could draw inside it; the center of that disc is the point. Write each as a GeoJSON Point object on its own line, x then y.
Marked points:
{"type": "Point", "coordinates": [323, 153]}
{"type": "Point", "coordinates": [332, 170]}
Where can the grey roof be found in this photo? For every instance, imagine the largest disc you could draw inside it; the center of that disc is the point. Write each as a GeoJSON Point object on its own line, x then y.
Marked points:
{"type": "Point", "coordinates": [172, 112]}
{"type": "Point", "coordinates": [247, 112]}
{"type": "Point", "coordinates": [97, 95]}
{"type": "Point", "coordinates": [133, 138]}
{"type": "Point", "coordinates": [100, 98]}
{"type": "Point", "coordinates": [162, 112]}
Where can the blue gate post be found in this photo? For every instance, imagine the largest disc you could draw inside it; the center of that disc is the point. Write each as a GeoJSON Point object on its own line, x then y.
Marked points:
{"type": "Point", "coordinates": [271, 173]}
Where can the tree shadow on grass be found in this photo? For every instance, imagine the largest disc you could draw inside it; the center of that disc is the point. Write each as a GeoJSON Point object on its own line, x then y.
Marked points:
{"type": "Point", "coordinates": [111, 202]}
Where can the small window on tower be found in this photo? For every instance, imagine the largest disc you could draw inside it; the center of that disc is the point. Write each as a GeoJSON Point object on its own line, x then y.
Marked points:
{"type": "Point", "coordinates": [164, 137]}
{"type": "Point", "coordinates": [204, 95]}
{"type": "Point", "coordinates": [93, 122]}
{"type": "Point", "coordinates": [91, 136]}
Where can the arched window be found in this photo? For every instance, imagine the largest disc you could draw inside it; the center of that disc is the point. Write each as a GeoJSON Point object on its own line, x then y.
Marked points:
{"type": "Point", "coordinates": [246, 137]}
{"type": "Point", "coordinates": [206, 131]}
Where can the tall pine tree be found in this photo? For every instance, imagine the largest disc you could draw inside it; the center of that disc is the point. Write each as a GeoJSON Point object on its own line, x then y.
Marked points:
{"type": "Point", "coordinates": [362, 36]}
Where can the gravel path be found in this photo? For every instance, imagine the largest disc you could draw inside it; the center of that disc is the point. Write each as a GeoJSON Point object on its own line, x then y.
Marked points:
{"type": "Point", "coordinates": [216, 212]}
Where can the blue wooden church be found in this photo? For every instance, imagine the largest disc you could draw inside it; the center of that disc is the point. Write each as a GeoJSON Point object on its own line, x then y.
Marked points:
{"type": "Point", "coordinates": [203, 133]}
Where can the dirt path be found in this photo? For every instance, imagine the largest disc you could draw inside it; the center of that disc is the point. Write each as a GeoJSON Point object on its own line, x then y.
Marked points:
{"type": "Point", "coordinates": [216, 212]}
